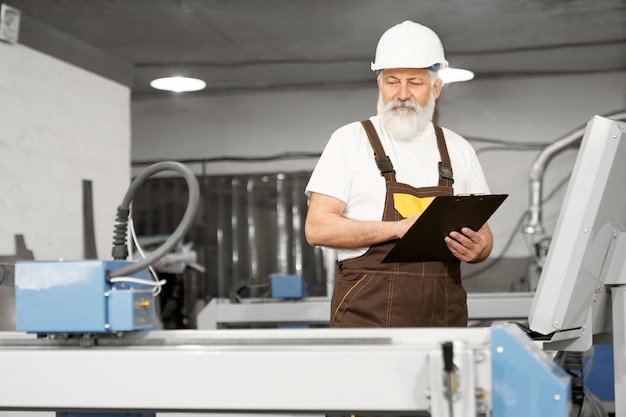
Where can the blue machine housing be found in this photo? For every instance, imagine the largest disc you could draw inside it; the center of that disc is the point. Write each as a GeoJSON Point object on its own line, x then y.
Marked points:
{"type": "Point", "coordinates": [288, 286]}
{"type": "Point", "coordinates": [525, 381]}
{"type": "Point", "coordinates": [75, 297]}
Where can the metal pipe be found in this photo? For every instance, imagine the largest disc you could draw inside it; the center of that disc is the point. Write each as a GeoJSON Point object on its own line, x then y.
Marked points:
{"type": "Point", "coordinates": [224, 189]}
{"type": "Point", "coordinates": [253, 241]}
{"type": "Point", "coordinates": [296, 226]}
{"type": "Point", "coordinates": [236, 186]}
{"type": "Point", "coordinates": [534, 224]}
{"type": "Point", "coordinates": [282, 231]}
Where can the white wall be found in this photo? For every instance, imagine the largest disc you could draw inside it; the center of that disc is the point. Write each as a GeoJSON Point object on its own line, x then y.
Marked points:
{"type": "Point", "coordinates": [59, 125]}
{"type": "Point", "coordinates": [538, 109]}
{"type": "Point", "coordinates": [251, 125]}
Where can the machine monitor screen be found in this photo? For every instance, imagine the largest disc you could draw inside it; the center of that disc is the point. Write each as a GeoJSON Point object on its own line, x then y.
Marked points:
{"type": "Point", "coordinates": [587, 252]}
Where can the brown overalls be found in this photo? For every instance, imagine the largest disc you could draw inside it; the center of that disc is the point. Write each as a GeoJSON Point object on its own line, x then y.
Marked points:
{"type": "Point", "coordinates": [369, 293]}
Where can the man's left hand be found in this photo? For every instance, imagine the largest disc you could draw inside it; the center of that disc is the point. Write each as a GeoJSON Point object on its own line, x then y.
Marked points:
{"type": "Point", "coordinates": [470, 246]}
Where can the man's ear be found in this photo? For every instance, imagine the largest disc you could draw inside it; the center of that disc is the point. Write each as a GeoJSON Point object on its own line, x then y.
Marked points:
{"type": "Point", "coordinates": [437, 88]}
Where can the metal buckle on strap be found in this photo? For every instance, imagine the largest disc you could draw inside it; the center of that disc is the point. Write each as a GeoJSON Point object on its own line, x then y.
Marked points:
{"type": "Point", "coordinates": [445, 172]}
{"type": "Point", "coordinates": [384, 166]}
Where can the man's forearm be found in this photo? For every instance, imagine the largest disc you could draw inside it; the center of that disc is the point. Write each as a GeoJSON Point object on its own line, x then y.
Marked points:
{"type": "Point", "coordinates": [340, 232]}
{"type": "Point", "coordinates": [326, 226]}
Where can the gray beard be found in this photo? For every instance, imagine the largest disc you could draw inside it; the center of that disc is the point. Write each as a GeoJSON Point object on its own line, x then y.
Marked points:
{"type": "Point", "coordinates": [402, 124]}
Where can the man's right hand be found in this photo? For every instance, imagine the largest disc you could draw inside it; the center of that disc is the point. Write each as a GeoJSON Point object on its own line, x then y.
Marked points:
{"type": "Point", "coordinates": [405, 224]}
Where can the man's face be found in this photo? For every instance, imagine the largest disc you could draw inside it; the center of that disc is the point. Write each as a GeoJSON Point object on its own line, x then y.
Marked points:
{"type": "Point", "coordinates": [406, 101]}
{"type": "Point", "coordinates": [407, 84]}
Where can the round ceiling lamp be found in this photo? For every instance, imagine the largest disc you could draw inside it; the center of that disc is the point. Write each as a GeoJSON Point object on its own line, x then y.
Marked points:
{"type": "Point", "coordinates": [455, 75]}
{"type": "Point", "coordinates": [178, 84]}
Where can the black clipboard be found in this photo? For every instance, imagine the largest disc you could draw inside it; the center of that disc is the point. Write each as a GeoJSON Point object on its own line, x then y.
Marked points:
{"type": "Point", "coordinates": [423, 242]}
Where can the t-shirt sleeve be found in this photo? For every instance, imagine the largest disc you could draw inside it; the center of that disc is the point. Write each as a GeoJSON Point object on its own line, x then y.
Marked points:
{"type": "Point", "coordinates": [472, 179]}
{"type": "Point", "coordinates": [332, 174]}
{"type": "Point", "coordinates": [477, 183]}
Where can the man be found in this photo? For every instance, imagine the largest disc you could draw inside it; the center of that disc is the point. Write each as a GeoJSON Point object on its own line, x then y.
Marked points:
{"type": "Point", "coordinates": [374, 179]}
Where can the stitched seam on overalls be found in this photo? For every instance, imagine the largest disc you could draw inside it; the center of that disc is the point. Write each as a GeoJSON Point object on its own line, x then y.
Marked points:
{"type": "Point", "coordinates": [348, 293]}
{"type": "Point", "coordinates": [423, 273]}
{"type": "Point", "coordinates": [445, 297]}
{"type": "Point", "coordinates": [421, 317]}
{"type": "Point", "coordinates": [432, 316]}
{"type": "Point", "coordinates": [390, 301]}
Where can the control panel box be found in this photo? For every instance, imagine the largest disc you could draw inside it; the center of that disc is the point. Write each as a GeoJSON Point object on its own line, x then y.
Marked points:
{"type": "Point", "coordinates": [76, 297]}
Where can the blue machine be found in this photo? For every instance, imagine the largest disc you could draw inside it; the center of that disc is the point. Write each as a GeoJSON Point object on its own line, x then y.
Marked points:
{"type": "Point", "coordinates": [522, 371]}
{"type": "Point", "coordinates": [76, 297]}
{"type": "Point", "coordinates": [601, 377]}
{"type": "Point", "coordinates": [288, 286]}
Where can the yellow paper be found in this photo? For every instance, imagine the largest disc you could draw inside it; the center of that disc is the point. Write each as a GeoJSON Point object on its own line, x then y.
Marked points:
{"type": "Point", "coordinates": [409, 205]}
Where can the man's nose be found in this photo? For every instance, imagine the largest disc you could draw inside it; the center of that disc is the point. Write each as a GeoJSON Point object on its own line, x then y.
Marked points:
{"type": "Point", "coordinates": [403, 92]}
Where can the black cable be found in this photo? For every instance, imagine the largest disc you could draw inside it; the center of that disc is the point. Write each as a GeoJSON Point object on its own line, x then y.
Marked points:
{"type": "Point", "coordinates": [511, 143]}
{"type": "Point", "coordinates": [507, 245]}
{"type": "Point", "coordinates": [226, 158]}
{"type": "Point", "coordinates": [556, 188]}
{"type": "Point", "coordinates": [123, 211]}
{"type": "Point", "coordinates": [505, 148]}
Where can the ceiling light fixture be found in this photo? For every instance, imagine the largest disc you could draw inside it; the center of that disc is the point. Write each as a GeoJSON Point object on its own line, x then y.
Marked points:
{"type": "Point", "coordinates": [178, 84]}
{"type": "Point", "coordinates": [455, 75]}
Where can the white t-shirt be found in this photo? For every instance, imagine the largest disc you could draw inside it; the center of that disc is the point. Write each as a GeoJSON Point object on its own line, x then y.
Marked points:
{"type": "Point", "coordinates": [347, 170]}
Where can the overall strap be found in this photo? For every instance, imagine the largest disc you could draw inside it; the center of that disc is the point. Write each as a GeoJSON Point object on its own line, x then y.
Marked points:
{"type": "Point", "coordinates": [382, 160]}
{"type": "Point", "coordinates": [445, 166]}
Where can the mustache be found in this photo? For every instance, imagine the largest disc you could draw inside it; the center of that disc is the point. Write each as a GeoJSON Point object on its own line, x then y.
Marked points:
{"type": "Point", "coordinates": [402, 103]}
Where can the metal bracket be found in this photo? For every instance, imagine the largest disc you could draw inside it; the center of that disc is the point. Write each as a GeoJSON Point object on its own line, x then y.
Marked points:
{"type": "Point", "coordinates": [445, 172]}
{"type": "Point", "coordinates": [9, 23]}
{"type": "Point", "coordinates": [384, 166]}
{"type": "Point", "coordinates": [464, 398]}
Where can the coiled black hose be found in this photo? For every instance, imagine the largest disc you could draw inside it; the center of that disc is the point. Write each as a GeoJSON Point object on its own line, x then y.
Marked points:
{"type": "Point", "coordinates": [120, 249]}
{"type": "Point", "coordinates": [120, 231]}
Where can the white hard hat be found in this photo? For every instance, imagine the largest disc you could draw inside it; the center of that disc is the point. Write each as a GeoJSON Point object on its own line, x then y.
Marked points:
{"type": "Point", "coordinates": [409, 45]}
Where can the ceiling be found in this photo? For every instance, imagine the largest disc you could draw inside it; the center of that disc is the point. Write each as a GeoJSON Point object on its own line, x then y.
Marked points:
{"type": "Point", "coordinates": [237, 45]}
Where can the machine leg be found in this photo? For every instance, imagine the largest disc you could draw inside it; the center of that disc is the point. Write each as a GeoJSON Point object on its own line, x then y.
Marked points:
{"type": "Point", "coordinates": [619, 348]}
